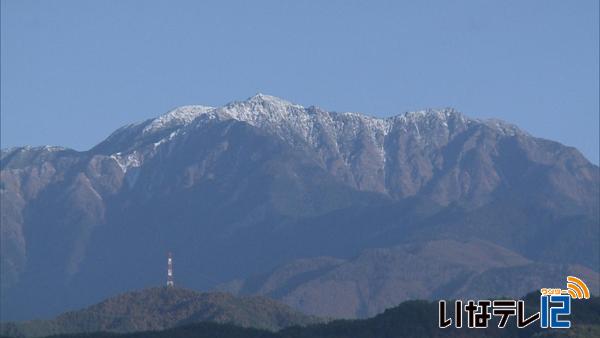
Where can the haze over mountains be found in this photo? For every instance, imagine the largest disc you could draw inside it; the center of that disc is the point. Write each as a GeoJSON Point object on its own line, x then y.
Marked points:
{"type": "Point", "coordinates": [319, 203]}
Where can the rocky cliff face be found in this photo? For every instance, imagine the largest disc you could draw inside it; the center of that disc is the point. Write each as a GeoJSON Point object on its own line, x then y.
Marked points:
{"type": "Point", "coordinates": [240, 189]}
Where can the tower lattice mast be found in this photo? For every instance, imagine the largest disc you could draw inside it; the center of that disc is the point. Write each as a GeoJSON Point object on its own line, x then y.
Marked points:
{"type": "Point", "coordinates": [170, 282]}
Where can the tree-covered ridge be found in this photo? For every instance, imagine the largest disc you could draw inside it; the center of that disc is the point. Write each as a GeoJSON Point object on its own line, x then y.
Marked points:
{"type": "Point", "coordinates": [162, 308]}
{"type": "Point", "coordinates": [409, 319]}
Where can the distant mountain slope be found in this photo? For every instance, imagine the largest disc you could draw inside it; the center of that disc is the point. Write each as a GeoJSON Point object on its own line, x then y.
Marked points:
{"type": "Point", "coordinates": [378, 279]}
{"type": "Point", "coordinates": [161, 308]}
{"type": "Point", "coordinates": [410, 319]}
{"type": "Point", "coordinates": [240, 189]}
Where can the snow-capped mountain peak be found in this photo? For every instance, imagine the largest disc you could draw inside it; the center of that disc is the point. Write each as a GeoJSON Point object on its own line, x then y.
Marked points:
{"type": "Point", "coordinates": [269, 99]}
{"type": "Point", "coordinates": [177, 117]}
{"type": "Point", "coordinates": [292, 122]}
{"type": "Point", "coordinates": [260, 106]}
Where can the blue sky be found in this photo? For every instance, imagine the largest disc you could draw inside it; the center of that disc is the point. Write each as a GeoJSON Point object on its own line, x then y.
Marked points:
{"type": "Point", "coordinates": [73, 71]}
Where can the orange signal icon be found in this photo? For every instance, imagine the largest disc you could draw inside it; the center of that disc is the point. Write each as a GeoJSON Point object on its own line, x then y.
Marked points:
{"type": "Point", "coordinates": [577, 288]}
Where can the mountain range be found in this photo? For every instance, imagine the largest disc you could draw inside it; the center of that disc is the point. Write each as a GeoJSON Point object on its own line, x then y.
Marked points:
{"type": "Point", "coordinates": [264, 196]}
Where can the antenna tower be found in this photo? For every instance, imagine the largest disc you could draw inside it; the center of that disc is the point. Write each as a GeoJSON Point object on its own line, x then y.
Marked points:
{"type": "Point", "coordinates": [170, 282]}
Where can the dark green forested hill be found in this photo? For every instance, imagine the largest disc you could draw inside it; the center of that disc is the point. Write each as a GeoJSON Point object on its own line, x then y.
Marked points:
{"type": "Point", "coordinates": [162, 308]}
{"type": "Point", "coordinates": [409, 319]}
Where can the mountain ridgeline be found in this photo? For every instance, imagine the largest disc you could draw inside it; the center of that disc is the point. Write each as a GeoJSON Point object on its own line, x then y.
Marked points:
{"type": "Point", "coordinates": [162, 308]}
{"type": "Point", "coordinates": [378, 279]}
{"type": "Point", "coordinates": [304, 205]}
{"type": "Point", "coordinates": [409, 319]}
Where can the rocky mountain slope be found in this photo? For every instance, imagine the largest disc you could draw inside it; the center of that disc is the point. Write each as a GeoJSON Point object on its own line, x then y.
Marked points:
{"type": "Point", "coordinates": [162, 308]}
{"type": "Point", "coordinates": [238, 190]}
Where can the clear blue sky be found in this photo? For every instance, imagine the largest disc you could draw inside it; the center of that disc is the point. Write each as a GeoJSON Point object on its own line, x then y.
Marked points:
{"type": "Point", "coordinates": [73, 71]}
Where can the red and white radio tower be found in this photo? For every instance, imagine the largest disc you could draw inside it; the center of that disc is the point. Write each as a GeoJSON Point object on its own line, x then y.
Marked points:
{"type": "Point", "coordinates": [170, 282]}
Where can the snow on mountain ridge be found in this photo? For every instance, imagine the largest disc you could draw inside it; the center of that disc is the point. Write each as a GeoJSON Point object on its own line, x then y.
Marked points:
{"type": "Point", "coordinates": [315, 126]}
{"type": "Point", "coordinates": [128, 161]}
{"type": "Point", "coordinates": [179, 116]}
{"type": "Point", "coordinates": [269, 111]}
